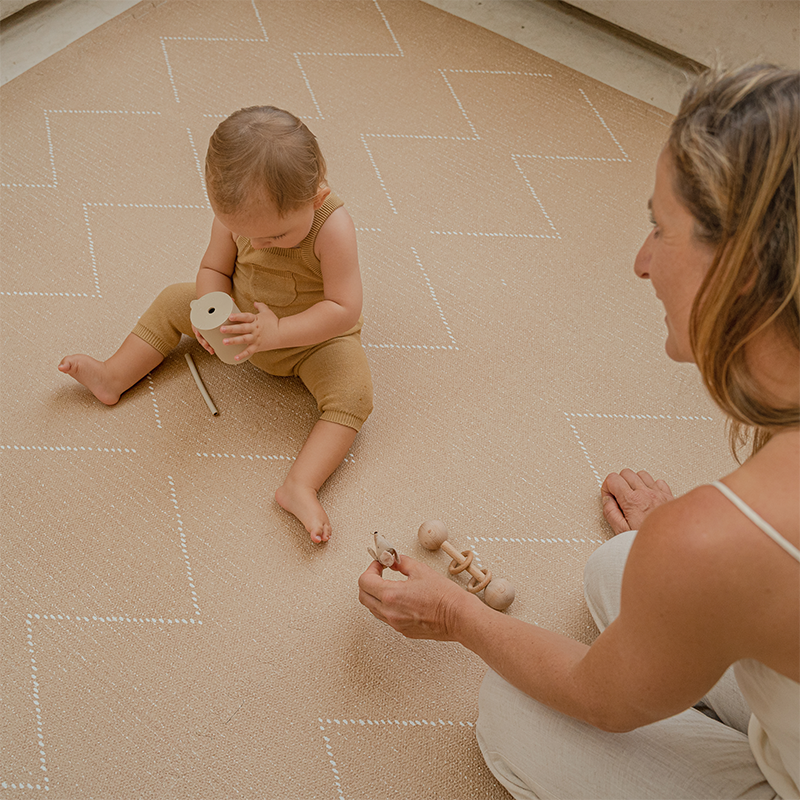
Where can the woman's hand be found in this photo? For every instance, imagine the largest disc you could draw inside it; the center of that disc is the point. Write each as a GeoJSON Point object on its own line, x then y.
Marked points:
{"type": "Point", "coordinates": [258, 331]}
{"type": "Point", "coordinates": [203, 342]}
{"type": "Point", "coordinates": [426, 606]}
{"type": "Point", "coordinates": [628, 497]}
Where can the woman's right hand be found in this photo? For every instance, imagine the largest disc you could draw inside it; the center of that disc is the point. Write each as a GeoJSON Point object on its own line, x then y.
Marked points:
{"type": "Point", "coordinates": [425, 606]}
{"type": "Point", "coordinates": [203, 342]}
{"type": "Point", "coordinates": [628, 497]}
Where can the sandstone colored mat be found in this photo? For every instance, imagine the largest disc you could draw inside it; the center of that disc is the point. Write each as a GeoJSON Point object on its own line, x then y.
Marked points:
{"type": "Point", "coordinates": [168, 631]}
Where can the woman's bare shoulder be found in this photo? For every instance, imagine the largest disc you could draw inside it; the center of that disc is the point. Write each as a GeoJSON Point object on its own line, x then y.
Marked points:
{"type": "Point", "coordinates": [686, 537]}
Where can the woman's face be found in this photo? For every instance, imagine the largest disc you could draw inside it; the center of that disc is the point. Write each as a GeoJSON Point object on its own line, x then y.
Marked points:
{"type": "Point", "coordinates": [672, 259]}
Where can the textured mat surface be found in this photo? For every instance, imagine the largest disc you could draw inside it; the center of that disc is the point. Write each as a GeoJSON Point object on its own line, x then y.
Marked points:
{"type": "Point", "coordinates": [167, 630]}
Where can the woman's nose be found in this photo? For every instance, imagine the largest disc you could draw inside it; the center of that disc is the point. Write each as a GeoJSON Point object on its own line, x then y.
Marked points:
{"type": "Point", "coordinates": [641, 264]}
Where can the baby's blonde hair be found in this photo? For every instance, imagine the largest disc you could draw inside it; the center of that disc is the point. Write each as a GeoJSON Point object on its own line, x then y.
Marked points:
{"type": "Point", "coordinates": [735, 144]}
{"type": "Point", "coordinates": [263, 153]}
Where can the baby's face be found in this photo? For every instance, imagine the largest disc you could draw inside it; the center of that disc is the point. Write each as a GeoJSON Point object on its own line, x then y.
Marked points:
{"type": "Point", "coordinates": [264, 227]}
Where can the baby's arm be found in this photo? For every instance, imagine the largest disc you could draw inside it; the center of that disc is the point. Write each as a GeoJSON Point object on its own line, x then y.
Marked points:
{"type": "Point", "coordinates": [338, 254]}
{"type": "Point", "coordinates": [217, 265]}
{"type": "Point", "coordinates": [216, 268]}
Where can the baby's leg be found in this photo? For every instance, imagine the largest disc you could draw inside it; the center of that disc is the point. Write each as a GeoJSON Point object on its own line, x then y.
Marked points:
{"type": "Point", "coordinates": [156, 334]}
{"type": "Point", "coordinates": [107, 380]}
{"type": "Point", "coordinates": [337, 374]}
{"type": "Point", "coordinates": [326, 447]}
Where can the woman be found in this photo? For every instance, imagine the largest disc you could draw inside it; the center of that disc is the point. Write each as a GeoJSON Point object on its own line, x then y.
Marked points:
{"type": "Point", "coordinates": [711, 579]}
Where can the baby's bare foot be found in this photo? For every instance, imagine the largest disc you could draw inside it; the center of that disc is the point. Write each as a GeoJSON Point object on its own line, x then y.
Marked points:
{"type": "Point", "coordinates": [93, 374]}
{"type": "Point", "coordinates": [303, 503]}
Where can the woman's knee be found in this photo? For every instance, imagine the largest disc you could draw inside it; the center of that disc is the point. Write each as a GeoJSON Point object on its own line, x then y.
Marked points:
{"type": "Point", "coordinates": [602, 577]}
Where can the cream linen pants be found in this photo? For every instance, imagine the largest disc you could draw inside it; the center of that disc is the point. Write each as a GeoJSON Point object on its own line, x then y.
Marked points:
{"type": "Point", "coordinates": [536, 752]}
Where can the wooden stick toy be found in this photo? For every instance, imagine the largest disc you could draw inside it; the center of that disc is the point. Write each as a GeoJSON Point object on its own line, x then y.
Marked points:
{"type": "Point", "coordinates": [499, 594]}
{"type": "Point", "coordinates": [200, 385]}
{"type": "Point", "coordinates": [383, 552]}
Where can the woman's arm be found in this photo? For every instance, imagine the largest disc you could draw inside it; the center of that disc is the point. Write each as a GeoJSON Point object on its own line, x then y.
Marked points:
{"type": "Point", "coordinates": [673, 639]}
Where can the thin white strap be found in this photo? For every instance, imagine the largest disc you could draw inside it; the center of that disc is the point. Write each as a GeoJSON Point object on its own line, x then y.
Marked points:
{"type": "Point", "coordinates": [757, 520]}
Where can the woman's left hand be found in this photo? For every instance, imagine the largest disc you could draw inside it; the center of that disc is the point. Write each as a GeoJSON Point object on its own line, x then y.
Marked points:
{"type": "Point", "coordinates": [425, 606]}
{"type": "Point", "coordinates": [258, 331]}
{"type": "Point", "coordinates": [628, 497]}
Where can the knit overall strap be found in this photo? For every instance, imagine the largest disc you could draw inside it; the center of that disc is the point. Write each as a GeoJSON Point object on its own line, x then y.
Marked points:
{"type": "Point", "coordinates": [332, 202]}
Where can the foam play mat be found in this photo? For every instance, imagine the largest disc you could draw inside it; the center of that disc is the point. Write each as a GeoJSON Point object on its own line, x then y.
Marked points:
{"type": "Point", "coordinates": [168, 631]}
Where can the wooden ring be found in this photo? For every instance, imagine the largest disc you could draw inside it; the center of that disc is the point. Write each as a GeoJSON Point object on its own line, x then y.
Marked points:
{"type": "Point", "coordinates": [474, 587]}
{"type": "Point", "coordinates": [455, 567]}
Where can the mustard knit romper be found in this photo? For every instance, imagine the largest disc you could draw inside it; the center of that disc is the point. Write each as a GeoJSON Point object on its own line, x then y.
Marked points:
{"type": "Point", "coordinates": [289, 281]}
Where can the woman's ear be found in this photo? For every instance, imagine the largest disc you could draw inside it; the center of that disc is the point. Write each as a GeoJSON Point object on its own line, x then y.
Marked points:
{"type": "Point", "coordinates": [322, 196]}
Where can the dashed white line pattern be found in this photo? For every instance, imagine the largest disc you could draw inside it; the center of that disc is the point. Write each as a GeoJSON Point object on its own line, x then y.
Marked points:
{"type": "Point", "coordinates": [65, 448]}
{"type": "Point", "coordinates": [197, 161]}
{"type": "Point", "coordinates": [77, 618]}
{"type": "Point", "coordinates": [421, 136]}
{"type": "Point", "coordinates": [165, 39]}
{"type": "Point", "coordinates": [96, 277]}
{"type": "Point", "coordinates": [260, 21]}
{"type": "Point", "coordinates": [366, 723]}
{"type": "Point", "coordinates": [500, 72]}
{"type": "Point", "coordinates": [603, 122]}
{"type": "Point", "coordinates": [460, 106]}
{"type": "Point", "coordinates": [530, 540]}
{"type": "Point", "coordinates": [38, 712]}
{"type": "Point", "coordinates": [119, 618]}
{"type": "Point", "coordinates": [641, 416]}
{"type": "Point", "coordinates": [412, 346]}
{"type": "Point", "coordinates": [92, 257]}
{"type": "Point", "coordinates": [535, 196]}
{"type": "Point", "coordinates": [569, 415]}
{"type": "Point", "coordinates": [350, 458]}
{"type": "Point", "coordinates": [389, 28]}
{"type": "Point", "coordinates": [585, 451]}
{"type": "Point", "coordinates": [185, 552]}
{"type": "Point", "coordinates": [152, 387]}
{"type": "Point", "coordinates": [378, 173]}
{"type": "Point", "coordinates": [308, 84]}
{"type": "Point", "coordinates": [250, 457]}
{"type": "Point", "coordinates": [435, 300]}
{"type": "Point", "coordinates": [47, 112]}
{"type": "Point", "coordinates": [508, 235]}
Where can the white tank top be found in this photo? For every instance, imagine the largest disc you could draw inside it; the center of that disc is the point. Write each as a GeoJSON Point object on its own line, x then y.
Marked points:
{"type": "Point", "coordinates": [774, 699]}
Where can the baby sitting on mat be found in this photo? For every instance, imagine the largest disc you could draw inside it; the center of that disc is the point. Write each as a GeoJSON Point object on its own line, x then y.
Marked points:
{"type": "Point", "coordinates": [284, 247]}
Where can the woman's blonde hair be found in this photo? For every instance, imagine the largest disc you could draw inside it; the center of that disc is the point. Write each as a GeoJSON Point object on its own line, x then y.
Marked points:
{"type": "Point", "coordinates": [735, 145]}
{"type": "Point", "coordinates": [263, 153]}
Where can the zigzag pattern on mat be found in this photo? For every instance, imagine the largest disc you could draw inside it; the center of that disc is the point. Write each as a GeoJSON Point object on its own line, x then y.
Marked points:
{"type": "Point", "coordinates": [516, 361]}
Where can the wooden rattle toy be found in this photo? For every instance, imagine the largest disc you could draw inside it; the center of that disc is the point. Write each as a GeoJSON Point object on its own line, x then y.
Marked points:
{"type": "Point", "coordinates": [498, 594]}
{"type": "Point", "coordinates": [383, 552]}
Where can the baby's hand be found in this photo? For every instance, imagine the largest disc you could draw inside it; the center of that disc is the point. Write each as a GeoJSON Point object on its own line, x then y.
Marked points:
{"type": "Point", "coordinates": [258, 331]}
{"type": "Point", "coordinates": [202, 341]}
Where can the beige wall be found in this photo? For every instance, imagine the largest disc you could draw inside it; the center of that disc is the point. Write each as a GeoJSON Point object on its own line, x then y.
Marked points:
{"type": "Point", "coordinates": [735, 30]}
{"type": "Point", "coordinates": [9, 7]}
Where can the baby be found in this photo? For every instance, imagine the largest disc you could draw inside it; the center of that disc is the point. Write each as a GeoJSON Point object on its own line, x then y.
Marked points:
{"type": "Point", "coordinates": [284, 247]}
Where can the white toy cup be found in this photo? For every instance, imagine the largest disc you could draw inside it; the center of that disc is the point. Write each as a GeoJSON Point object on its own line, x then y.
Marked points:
{"type": "Point", "coordinates": [208, 314]}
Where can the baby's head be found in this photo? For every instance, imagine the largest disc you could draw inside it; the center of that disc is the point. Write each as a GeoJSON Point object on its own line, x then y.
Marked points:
{"type": "Point", "coordinates": [263, 154]}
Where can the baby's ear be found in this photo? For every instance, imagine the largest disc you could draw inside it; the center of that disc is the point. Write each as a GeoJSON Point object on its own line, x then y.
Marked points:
{"type": "Point", "coordinates": [322, 196]}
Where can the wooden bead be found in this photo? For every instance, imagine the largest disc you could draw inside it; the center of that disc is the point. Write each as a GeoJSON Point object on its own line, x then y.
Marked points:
{"type": "Point", "coordinates": [432, 534]}
{"type": "Point", "coordinates": [499, 594]}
